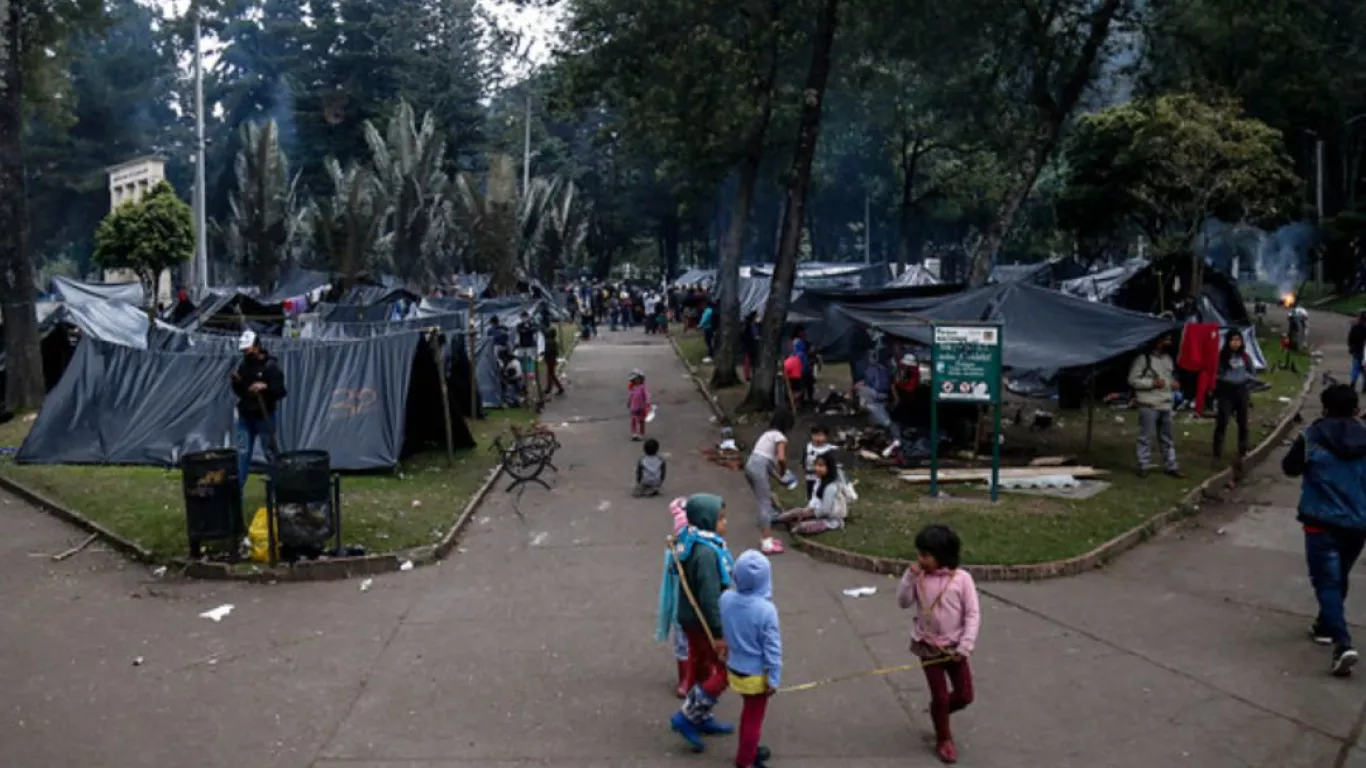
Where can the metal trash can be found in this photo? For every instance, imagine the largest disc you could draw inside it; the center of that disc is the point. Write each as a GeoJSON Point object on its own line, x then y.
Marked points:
{"type": "Point", "coordinates": [213, 498]}
{"type": "Point", "coordinates": [303, 496]}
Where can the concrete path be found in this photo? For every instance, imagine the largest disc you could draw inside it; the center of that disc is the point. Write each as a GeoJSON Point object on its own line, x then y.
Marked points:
{"type": "Point", "coordinates": [532, 645]}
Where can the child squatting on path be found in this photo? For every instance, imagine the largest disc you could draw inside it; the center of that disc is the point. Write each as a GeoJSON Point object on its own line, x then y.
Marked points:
{"type": "Point", "coordinates": [650, 471]}
{"type": "Point", "coordinates": [1331, 457]}
{"type": "Point", "coordinates": [944, 631]}
{"type": "Point", "coordinates": [700, 553]}
{"type": "Point", "coordinates": [638, 403]}
{"type": "Point", "coordinates": [755, 663]}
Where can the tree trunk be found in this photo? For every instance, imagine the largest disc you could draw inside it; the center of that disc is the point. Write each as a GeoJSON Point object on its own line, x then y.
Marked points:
{"type": "Point", "coordinates": [760, 395]}
{"type": "Point", "coordinates": [728, 274]}
{"type": "Point", "coordinates": [669, 237]}
{"type": "Point", "coordinates": [1053, 110]}
{"type": "Point", "coordinates": [907, 196]}
{"type": "Point", "coordinates": [24, 387]}
{"type": "Point", "coordinates": [727, 338]}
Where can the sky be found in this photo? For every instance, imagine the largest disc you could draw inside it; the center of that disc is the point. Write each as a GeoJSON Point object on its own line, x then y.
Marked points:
{"type": "Point", "coordinates": [537, 27]}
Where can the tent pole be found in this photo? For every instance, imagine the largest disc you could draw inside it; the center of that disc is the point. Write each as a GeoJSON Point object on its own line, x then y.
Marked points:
{"type": "Point", "coordinates": [435, 344]}
{"type": "Point", "coordinates": [472, 339]}
{"type": "Point", "coordinates": [1090, 412]}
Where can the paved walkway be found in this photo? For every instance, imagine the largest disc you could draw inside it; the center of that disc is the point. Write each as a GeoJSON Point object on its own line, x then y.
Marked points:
{"type": "Point", "coordinates": [531, 646]}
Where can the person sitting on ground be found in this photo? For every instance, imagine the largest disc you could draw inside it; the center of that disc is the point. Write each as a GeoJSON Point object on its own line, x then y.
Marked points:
{"type": "Point", "coordinates": [818, 446]}
{"type": "Point", "coordinates": [650, 470]}
{"type": "Point", "coordinates": [1330, 456]}
{"type": "Point", "coordinates": [828, 506]}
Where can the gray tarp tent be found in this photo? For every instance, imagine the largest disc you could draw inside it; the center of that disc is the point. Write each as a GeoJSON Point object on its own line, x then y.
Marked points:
{"type": "Point", "coordinates": [76, 292]}
{"type": "Point", "coordinates": [120, 405]}
{"type": "Point", "coordinates": [1044, 330]}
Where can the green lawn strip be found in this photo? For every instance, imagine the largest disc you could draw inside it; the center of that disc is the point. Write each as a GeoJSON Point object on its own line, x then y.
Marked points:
{"type": "Point", "coordinates": [383, 512]}
{"type": "Point", "coordinates": [1025, 528]}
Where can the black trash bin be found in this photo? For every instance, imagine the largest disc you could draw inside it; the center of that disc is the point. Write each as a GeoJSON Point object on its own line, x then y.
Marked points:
{"type": "Point", "coordinates": [304, 498]}
{"type": "Point", "coordinates": [213, 498]}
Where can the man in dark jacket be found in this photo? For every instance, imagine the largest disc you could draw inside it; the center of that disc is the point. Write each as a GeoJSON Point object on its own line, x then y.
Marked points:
{"type": "Point", "coordinates": [1331, 457]}
{"type": "Point", "coordinates": [1356, 345]}
{"type": "Point", "coordinates": [260, 386]}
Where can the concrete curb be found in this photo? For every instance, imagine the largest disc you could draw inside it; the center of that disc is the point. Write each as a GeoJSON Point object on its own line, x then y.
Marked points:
{"type": "Point", "coordinates": [702, 387]}
{"type": "Point", "coordinates": [1096, 558]}
{"type": "Point", "coordinates": [332, 569]}
{"type": "Point", "coordinates": [1072, 566]}
{"type": "Point", "coordinates": [128, 547]}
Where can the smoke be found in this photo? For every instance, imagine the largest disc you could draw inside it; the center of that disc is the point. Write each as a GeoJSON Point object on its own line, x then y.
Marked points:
{"type": "Point", "coordinates": [1279, 258]}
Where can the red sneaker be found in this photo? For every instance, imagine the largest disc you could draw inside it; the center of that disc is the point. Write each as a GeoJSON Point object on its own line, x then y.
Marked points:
{"type": "Point", "coordinates": [947, 752]}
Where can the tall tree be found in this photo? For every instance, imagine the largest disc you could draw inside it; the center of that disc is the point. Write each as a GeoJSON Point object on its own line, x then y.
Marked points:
{"type": "Point", "coordinates": [147, 236]}
{"type": "Point", "coordinates": [407, 162]}
{"type": "Point", "coordinates": [265, 218]}
{"type": "Point", "coordinates": [761, 387]}
{"type": "Point", "coordinates": [29, 35]}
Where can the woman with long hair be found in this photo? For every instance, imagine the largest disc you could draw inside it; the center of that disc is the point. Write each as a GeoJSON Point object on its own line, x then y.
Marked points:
{"type": "Point", "coordinates": [1233, 396]}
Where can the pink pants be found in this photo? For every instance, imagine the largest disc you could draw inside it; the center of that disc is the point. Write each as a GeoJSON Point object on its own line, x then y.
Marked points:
{"type": "Point", "coordinates": [751, 728]}
{"type": "Point", "coordinates": [638, 422]}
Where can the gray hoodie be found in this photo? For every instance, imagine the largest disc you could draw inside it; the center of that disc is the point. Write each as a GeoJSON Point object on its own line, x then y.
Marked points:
{"type": "Point", "coordinates": [1146, 369]}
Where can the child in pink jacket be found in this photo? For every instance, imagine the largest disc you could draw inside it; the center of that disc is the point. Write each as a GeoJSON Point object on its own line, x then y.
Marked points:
{"type": "Point", "coordinates": [679, 509]}
{"type": "Point", "coordinates": [638, 403]}
{"type": "Point", "coordinates": [944, 631]}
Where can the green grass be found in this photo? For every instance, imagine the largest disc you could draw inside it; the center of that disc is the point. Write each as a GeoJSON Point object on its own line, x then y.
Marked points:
{"type": "Point", "coordinates": [383, 512]}
{"type": "Point", "coordinates": [1346, 305]}
{"type": "Point", "coordinates": [1024, 528]}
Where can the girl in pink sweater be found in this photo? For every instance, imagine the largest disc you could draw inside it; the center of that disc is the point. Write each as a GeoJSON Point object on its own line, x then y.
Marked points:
{"type": "Point", "coordinates": [638, 403]}
{"type": "Point", "coordinates": [944, 631]}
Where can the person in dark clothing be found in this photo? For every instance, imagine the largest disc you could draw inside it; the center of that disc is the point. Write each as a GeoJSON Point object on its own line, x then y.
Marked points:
{"type": "Point", "coordinates": [706, 564]}
{"type": "Point", "coordinates": [1233, 396]}
{"type": "Point", "coordinates": [1356, 345]}
{"type": "Point", "coordinates": [552, 360]}
{"type": "Point", "coordinates": [498, 333]}
{"type": "Point", "coordinates": [259, 385]}
{"type": "Point", "coordinates": [1331, 457]}
{"type": "Point", "coordinates": [749, 343]}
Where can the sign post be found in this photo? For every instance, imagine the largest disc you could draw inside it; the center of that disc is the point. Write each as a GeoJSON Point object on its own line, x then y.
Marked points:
{"type": "Point", "coordinates": [965, 361]}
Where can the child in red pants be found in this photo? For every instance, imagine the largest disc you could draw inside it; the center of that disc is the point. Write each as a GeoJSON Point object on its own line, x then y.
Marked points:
{"type": "Point", "coordinates": [944, 631]}
{"type": "Point", "coordinates": [755, 663]}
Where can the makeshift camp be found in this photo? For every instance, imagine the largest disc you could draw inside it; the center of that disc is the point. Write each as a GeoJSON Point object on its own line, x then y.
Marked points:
{"type": "Point", "coordinates": [367, 403]}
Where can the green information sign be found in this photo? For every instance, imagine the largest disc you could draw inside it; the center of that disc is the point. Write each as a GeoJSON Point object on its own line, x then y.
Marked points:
{"type": "Point", "coordinates": [967, 363]}
{"type": "Point", "coordinates": [966, 368]}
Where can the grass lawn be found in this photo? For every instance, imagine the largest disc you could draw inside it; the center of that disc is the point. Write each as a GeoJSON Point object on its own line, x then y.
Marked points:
{"type": "Point", "coordinates": [1024, 528]}
{"type": "Point", "coordinates": [1347, 305]}
{"type": "Point", "coordinates": [380, 511]}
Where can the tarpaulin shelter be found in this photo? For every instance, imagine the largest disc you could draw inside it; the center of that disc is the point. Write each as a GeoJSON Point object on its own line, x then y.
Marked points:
{"type": "Point", "coordinates": [296, 282]}
{"type": "Point", "coordinates": [225, 310]}
{"type": "Point", "coordinates": [367, 403]}
{"type": "Point", "coordinates": [1043, 329]}
{"type": "Point", "coordinates": [65, 289]}
{"type": "Point", "coordinates": [913, 275]}
{"type": "Point", "coordinates": [702, 277]}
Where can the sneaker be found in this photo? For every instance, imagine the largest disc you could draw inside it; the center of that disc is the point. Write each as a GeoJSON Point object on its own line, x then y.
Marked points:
{"type": "Point", "coordinates": [771, 547]}
{"type": "Point", "coordinates": [761, 757]}
{"type": "Point", "coordinates": [684, 727]}
{"type": "Point", "coordinates": [713, 727]}
{"type": "Point", "coordinates": [1317, 634]}
{"type": "Point", "coordinates": [1343, 661]}
{"type": "Point", "coordinates": [947, 752]}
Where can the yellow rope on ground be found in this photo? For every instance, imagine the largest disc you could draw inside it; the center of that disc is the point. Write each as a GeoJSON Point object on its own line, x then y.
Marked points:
{"type": "Point", "coordinates": [870, 673]}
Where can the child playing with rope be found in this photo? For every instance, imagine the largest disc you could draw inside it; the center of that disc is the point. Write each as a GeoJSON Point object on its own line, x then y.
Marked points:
{"type": "Point", "coordinates": [697, 569]}
{"type": "Point", "coordinates": [755, 663]}
{"type": "Point", "coordinates": [944, 631]}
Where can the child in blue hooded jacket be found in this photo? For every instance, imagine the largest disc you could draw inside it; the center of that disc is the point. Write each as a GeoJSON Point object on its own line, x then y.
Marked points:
{"type": "Point", "coordinates": [755, 664]}
{"type": "Point", "coordinates": [1331, 457]}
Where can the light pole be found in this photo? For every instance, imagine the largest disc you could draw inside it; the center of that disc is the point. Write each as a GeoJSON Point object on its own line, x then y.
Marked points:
{"type": "Point", "coordinates": [200, 272]}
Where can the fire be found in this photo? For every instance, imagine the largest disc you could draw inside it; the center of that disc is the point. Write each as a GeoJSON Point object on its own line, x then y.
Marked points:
{"type": "Point", "coordinates": [1288, 300]}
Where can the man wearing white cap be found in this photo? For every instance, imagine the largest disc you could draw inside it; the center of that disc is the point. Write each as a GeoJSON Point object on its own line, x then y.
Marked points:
{"type": "Point", "coordinates": [259, 385]}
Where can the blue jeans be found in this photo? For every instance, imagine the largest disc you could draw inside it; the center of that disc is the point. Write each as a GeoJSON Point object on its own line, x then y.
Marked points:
{"type": "Point", "coordinates": [248, 431]}
{"type": "Point", "coordinates": [1356, 369]}
{"type": "Point", "coordinates": [1331, 555]}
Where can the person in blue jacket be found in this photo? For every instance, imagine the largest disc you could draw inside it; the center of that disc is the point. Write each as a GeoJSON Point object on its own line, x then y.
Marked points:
{"type": "Point", "coordinates": [755, 663]}
{"type": "Point", "coordinates": [1331, 457]}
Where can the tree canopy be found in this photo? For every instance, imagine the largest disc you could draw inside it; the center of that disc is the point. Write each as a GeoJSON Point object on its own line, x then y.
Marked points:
{"type": "Point", "coordinates": [146, 236]}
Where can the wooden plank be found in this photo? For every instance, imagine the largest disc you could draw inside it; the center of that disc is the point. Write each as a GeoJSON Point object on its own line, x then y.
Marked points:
{"type": "Point", "coordinates": [982, 475]}
{"type": "Point", "coordinates": [1050, 461]}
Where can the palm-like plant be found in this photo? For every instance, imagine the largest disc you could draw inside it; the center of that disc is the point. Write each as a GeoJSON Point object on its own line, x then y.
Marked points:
{"type": "Point", "coordinates": [407, 162]}
{"type": "Point", "coordinates": [347, 224]}
{"type": "Point", "coordinates": [265, 220]}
